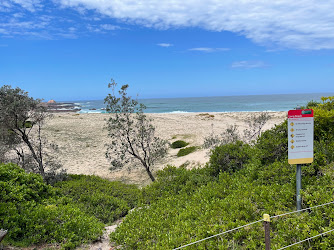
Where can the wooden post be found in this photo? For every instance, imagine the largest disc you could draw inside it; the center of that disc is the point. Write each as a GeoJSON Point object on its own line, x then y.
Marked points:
{"type": "Point", "coordinates": [266, 219]}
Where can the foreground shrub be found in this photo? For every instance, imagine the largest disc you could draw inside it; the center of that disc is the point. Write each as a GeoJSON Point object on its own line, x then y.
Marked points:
{"type": "Point", "coordinates": [172, 180]}
{"type": "Point", "coordinates": [229, 157]}
{"type": "Point", "coordinates": [106, 200]}
{"type": "Point", "coordinates": [247, 181]}
{"type": "Point", "coordinates": [35, 213]}
{"type": "Point", "coordinates": [186, 151]}
{"type": "Point", "coordinates": [324, 119]}
{"type": "Point", "coordinates": [231, 201]}
{"type": "Point", "coordinates": [272, 145]}
{"type": "Point", "coordinates": [179, 144]}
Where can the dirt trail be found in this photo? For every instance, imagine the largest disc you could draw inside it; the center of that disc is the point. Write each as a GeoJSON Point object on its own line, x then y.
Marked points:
{"type": "Point", "coordinates": [104, 242]}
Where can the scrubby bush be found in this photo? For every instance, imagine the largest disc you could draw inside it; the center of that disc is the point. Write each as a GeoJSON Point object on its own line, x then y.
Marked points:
{"type": "Point", "coordinates": [312, 104]}
{"type": "Point", "coordinates": [179, 144]}
{"type": "Point", "coordinates": [272, 145]}
{"type": "Point", "coordinates": [324, 119]}
{"type": "Point", "coordinates": [186, 151]}
{"type": "Point", "coordinates": [246, 182]}
{"type": "Point", "coordinates": [172, 180]}
{"type": "Point", "coordinates": [106, 200]}
{"type": "Point", "coordinates": [230, 135]}
{"type": "Point", "coordinates": [231, 201]}
{"type": "Point", "coordinates": [229, 157]}
{"type": "Point", "coordinates": [35, 213]}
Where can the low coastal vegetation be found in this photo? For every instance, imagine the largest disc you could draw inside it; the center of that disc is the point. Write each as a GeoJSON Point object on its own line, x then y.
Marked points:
{"type": "Point", "coordinates": [179, 144]}
{"type": "Point", "coordinates": [240, 182]}
{"type": "Point", "coordinates": [35, 213]}
{"type": "Point", "coordinates": [186, 151]}
{"type": "Point", "coordinates": [107, 201]}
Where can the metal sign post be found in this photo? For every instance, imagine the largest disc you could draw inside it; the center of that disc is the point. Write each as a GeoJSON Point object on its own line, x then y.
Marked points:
{"type": "Point", "coordinates": [299, 186]}
{"type": "Point", "coordinates": [300, 143]}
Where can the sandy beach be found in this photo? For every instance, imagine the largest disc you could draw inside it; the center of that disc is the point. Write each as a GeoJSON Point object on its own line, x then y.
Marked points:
{"type": "Point", "coordinates": [82, 137]}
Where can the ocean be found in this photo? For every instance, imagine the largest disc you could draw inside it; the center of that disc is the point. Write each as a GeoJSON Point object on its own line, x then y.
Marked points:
{"type": "Point", "coordinates": [250, 103]}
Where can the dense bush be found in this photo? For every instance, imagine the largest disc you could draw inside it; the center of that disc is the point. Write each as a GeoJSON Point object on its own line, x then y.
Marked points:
{"type": "Point", "coordinates": [272, 145]}
{"type": "Point", "coordinates": [179, 144]}
{"type": "Point", "coordinates": [312, 104]}
{"type": "Point", "coordinates": [232, 200]}
{"type": "Point", "coordinates": [229, 157]}
{"type": "Point", "coordinates": [186, 151]}
{"type": "Point", "coordinates": [188, 205]}
{"type": "Point", "coordinates": [173, 180]}
{"type": "Point", "coordinates": [35, 213]}
{"type": "Point", "coordinates": [324, 119]}
{"type": "Point", "coordinates": [106, 200]}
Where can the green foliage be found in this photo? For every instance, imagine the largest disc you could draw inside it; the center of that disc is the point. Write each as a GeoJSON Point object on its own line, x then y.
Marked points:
{"type": "Point", "coordinates": [186, 151]}
{"type": "Point", "coordinates": [312, 104]}
{"type": "Point", "coordinates": [34, 213]}
{"type": "Point", "coordinates": [173, 180]}
{"type": "Point", "coordinates": [246, 181]}
{"type": "Point", "coordinates": [324, 119]}
{"type": "Point", "coordinates": [229, 157]}
{"type": "Point", "coordinates": [179, 144]}
{"type": "Point", "coordinates": [272, 145]}
{"type": "Point", "coordinates": [107, 201]}
{"type": "Point", "coordinates": [21, 126]}
{"type": "Point", "coordinates": [228, 202]}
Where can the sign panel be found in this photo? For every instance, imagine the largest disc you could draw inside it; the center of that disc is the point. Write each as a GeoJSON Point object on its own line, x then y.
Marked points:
{"type": "Point", "coordinates": [300, 132]}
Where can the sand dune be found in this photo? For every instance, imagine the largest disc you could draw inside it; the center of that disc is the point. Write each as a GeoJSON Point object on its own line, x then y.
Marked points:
{"type": "Point", "coordinates": [82, 137]}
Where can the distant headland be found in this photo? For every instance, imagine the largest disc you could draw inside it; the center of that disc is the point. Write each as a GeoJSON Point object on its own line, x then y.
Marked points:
{"type": "Point", "coordinates": [56, 107]}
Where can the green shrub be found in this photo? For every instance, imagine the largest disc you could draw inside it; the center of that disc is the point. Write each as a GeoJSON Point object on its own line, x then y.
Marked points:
{"type": "Point", "coordinates": [324, 119]}
{"type": "Point", "coordinates": [272, 145]}
{"type": "Point", "coordinates": [229, 157]}
{"type": "Point", "coordinates": [231, 201]}
{"type": "Point", "coordinates": [173, 180]}
{"type": "Point", "coordinates": [186, 151]}
{"type": "Point", "coordinates": [35, 213]}
{"type": "Point", "coordinates": [179, 144]}
{"type": "Point", "coordinates": [312, 104]}
{"type": "Point", "coordinates": [247, 181]}
{"type": "Point", "coordinates": [106, 200]}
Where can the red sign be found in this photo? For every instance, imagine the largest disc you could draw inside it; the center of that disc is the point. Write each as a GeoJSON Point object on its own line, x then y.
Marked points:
{"type": "Point", "coordinates": [300, 113]}
{"type": "Point", "coordinates": [300, 134]}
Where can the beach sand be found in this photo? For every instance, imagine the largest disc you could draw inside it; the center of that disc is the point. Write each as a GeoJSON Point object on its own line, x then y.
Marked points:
{"type": "Point", "coordinates": [82, 137]}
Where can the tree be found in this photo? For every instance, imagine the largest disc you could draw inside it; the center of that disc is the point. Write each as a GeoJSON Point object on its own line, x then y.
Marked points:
{"type": "Point", "coordinates": [255, 126]}
{"type": "Point", "coordinates": [132, 133]}
{"type": "Point", "coordinates": [231, 134]}
{"type": "Point", "coordinates": [21, 124]}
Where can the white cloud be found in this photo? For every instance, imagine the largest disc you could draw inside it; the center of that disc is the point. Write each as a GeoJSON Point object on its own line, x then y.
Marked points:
{"type": "Point", "coordinates": [209, 50]}
{"type": "Point", "coordinates": [249, 64]}
{"type": "Point", "coordinates": [30, 5]}
{"type": "Point", "coordinates": [300, 24]}
{"type": "Point", "coordinates": [110, 27]}
{"type": "Point", "coordinates": [103, 28]}
{"type": "Point", "coordinates": [165, 45]}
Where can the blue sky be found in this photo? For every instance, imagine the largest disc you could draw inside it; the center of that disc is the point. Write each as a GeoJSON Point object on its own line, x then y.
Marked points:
{"type": "Point", "coordinates": [69, 49]}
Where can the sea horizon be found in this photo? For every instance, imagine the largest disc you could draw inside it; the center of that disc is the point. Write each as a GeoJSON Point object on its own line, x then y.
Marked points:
{"type": "Point", "coordinates": [241, 103]}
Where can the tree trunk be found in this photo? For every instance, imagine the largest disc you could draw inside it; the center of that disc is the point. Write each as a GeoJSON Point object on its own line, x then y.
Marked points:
{"type": "Point", "coordinates": [39, 161]}
{"type": "Point", "coordinates": [148, 171]}
{"type": "Point", "coordinates": [150, 174]}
